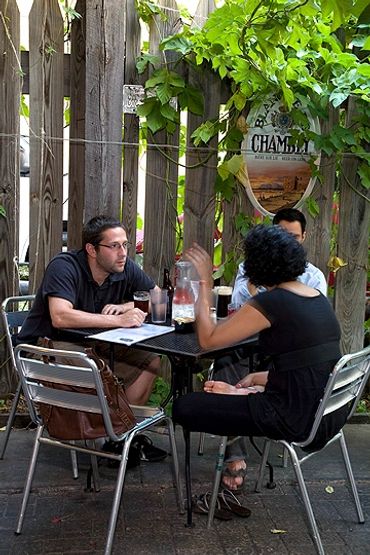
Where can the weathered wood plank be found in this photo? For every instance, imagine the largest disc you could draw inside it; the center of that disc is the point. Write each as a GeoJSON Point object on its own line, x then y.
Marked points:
{"type": "Point", "coordinates": [353, 237]}
{"type": "Point", "coordinates": [201, 163]}
{"type": "Point", "coordinates": [76, 194]}
{"type": "Point", "coordinates": [231, 238]}
{"type": "Point", "coordinates": [317, 242]}
{"type": "Point", "coordinates": [46, 134]}
{"type": "Point", "coordinates": [131, 128]}
{"type": "Point", "coordinates": [105, 22]}
{"type": "Point", "coordinates": [10, 86]}
{"type": "Point", "coordinates": [25, 62]}
{"type": "Point", "coordinates": [161, 172]}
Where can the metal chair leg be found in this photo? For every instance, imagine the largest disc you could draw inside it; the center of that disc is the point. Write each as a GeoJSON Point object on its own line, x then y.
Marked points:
{"type": "Point", "coordinates": [30, 474]}
{"type": "Point", "coordinates": [175, 465]}
{"type": "Point", "coordinates": [202, 436]}
{"type": "Point", "coordinates": [11, 418]}
{"type": "Point", "coordinates": [285, 458]}
{"type": "Point", "coordinates": [189, 521]}
{"type": "Point", "coordinates": [95, 470]}
{"type": "Point", "coordinates": [74, 464]}
{"type": "Point", "coordinates": [217, 480]}
{"type": "Point", "coordinates": [351, 478]}
{"type": "Point", "coordinates": [265, 454]}
{"type": "Point", "coordinates": [306, 499]}
{"type": "Point", "coordinates": [117, 495]}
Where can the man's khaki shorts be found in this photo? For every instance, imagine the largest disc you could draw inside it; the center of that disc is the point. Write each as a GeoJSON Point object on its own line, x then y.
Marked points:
{"type": "Point", "coordinates": [128, 362]}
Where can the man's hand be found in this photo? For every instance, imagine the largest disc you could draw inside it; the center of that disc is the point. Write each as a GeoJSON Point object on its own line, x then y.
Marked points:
{"type": "Point", "coordinates": [132, 318]}
{"type": "Point", "coordinates": [117, 308]}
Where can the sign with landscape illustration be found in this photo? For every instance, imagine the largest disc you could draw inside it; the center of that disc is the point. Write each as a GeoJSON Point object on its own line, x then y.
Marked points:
{"type": "Point", "coordinates": [278, 171]}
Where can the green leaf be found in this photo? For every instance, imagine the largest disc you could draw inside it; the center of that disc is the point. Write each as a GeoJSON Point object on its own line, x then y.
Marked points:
{"type": "Point", "coordinates": [312, 207]}
{"type": "Point", "coordinates": [24, 109]}
{"type": "Point", "coordinates": [145, 60]}
{"type": "Point", "coordinates": [192, 99]}
{"type": "Point", "coordinates": [169, 113]}
{"type": "Point", "coordinates": [364, 173]}
{"type": "Point", "coordinates": [226, 186]}
{"type": "Point", "coordinates": [338, 97]}
{"type": "Point", "coordinates": [204, 133]}
{"type": "Point", "coordinates": [364, 69]}
{"type": "Point", "coordinates": [178, 43]}
{"type": "Point", "coordinates": [235, 163]}
{"type": "Point", "coordinates": [164, 93]}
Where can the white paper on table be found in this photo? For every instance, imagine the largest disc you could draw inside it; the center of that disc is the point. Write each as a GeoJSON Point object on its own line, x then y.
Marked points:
{"type": "Point", "coordinates": [128, 336]}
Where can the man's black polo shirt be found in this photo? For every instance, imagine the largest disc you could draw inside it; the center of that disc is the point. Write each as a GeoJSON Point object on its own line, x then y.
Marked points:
{"type": "Point", "coordinates": [68, 276]}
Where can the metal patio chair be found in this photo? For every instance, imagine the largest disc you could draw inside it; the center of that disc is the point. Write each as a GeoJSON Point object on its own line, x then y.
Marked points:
{"type": "Point", "coordinates": [344, 389]}
{"type": "Point", "coordinates": [13, 313]}
{"type": "Point", "coordinates": [81, 371]}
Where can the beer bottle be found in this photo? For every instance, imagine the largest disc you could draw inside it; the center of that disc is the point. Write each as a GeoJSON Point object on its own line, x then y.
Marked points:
{"type": "Point", "coordinates": [167, 284]}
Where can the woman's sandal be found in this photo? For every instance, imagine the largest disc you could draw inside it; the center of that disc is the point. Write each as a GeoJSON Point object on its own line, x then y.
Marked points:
{"type": "Point", "coordinates": [230, 502]}
{"type": "Point", "coordinates": [231, 473]}
{"type": "Point", "coordinates": [200, 506]}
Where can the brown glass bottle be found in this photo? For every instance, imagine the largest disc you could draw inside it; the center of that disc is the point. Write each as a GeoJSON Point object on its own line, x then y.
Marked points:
{"type": "Point", "coordinates": [167, 284]}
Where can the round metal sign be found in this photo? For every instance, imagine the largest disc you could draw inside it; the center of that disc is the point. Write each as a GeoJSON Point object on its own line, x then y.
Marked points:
{"type": "Point", "coordinates": [279, 175]}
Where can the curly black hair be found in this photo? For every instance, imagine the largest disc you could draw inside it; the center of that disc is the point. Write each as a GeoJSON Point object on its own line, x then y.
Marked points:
{"type": "Point", "coordinates": [272, 256]}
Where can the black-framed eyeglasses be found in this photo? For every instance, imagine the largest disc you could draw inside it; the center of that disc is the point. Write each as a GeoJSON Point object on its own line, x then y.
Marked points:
{"type": "Point", "coordinates": [116, 246]}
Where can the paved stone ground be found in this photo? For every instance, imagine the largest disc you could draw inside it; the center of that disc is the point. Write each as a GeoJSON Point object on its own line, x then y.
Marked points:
{"type": "Point", "coordinates": [62, 518]}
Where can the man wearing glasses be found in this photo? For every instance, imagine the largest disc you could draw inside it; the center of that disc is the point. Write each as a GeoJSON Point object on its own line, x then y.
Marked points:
{"type": "Point", "coordinates": [93, 288]}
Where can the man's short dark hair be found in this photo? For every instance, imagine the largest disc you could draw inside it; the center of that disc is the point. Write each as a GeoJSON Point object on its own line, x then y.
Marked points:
{"type": "Point", "coordinates": [272, 256]}
{"type": "Point", "coordinates": [93, 230]}
{"type": "Point", "coordinates": [290, 215]}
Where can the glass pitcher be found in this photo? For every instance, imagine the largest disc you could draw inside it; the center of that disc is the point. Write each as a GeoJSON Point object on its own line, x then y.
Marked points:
{"type": "Point", "coordinates": [183, 297]}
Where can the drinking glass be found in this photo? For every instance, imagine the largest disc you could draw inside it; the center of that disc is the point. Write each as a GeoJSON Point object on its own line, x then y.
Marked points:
{"type": "Point", "coordinates": [223, 299]}
{"type": "Point", "coordinates": [158, 303]}
{"type": "Point", "coordinates": [141, 300]}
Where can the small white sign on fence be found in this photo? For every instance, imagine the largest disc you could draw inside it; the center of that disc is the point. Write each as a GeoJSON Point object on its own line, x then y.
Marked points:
{"type": "Point", "coordinates": [133, 95]}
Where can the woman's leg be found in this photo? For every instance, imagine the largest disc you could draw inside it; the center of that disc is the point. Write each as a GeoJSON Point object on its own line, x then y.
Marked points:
{"type": "Point", "coordinates": [224, 415]}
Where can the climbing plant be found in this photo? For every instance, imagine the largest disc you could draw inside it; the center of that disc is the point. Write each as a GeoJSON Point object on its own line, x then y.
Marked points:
{"type": "Point", "coordinates": [315, 52]}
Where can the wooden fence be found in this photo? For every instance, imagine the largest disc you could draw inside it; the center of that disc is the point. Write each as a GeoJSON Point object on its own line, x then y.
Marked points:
{"type": "Point", "coordinates": [105, 43]}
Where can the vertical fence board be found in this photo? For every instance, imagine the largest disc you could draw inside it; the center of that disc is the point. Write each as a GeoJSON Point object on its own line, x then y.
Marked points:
{"type": "Point", "coordinates": [161, 172]}
{"type": "Point", "coordinates": [10, 86]}
{"type": "Point", "coordinates": [199, 204]}
{"type": "Point", "coordinates": [46, 145]}
{"type": "Point", "coordinates": [131, 128]}
{"type": "Point", "coordinates": [317, 242]}
{"type": "Point", "coordinates": [353, 244]}
{"type": "Point", "coordinates": [231, 238]}
{"type": "Point", "coordinates": [105, 21]}
{"type": "Point", "coordinates": [76, 191]}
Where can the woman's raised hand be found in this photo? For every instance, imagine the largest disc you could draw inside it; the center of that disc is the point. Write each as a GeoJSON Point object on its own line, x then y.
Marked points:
{"type": "Point", "coordinates": [201, 261]}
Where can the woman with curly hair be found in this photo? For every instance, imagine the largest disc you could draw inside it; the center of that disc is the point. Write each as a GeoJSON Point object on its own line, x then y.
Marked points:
{"type": "Point", "coordinates": [297, 328]}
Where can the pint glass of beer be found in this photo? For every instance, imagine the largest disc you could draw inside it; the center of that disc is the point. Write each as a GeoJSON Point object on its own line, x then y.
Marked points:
{"type": "Point", "coordinates": [223, 299]}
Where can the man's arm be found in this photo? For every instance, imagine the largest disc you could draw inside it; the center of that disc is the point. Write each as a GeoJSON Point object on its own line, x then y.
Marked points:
{"type": "Point", "coordinates": [313, 277]}
{"type": "Point", "coordinates": [243, 290]}
{"type": "Point", "coordinates": [64, 315]}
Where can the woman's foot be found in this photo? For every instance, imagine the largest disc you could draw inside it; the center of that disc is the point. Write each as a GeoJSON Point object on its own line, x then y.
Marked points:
{"type": "Point", "coordinates": [233, 475]}
{"type": "Point", "coordinates": [227, 389]}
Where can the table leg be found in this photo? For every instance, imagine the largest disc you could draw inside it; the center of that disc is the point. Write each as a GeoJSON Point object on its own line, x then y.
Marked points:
{"type": "Point", "coordinates": [189, 520]}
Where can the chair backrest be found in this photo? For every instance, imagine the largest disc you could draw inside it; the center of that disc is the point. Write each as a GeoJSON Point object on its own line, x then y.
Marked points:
{"type": "Point", "coordinates": [39, 368]}
{"type": "Point", "coordinates": [345, 386]}
{"type": "Point", "coordinates": [13, 313]}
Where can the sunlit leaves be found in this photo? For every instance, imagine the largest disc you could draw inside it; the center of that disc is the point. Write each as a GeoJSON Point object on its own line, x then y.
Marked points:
{"type": "Point", "coordinates": [192, 99]}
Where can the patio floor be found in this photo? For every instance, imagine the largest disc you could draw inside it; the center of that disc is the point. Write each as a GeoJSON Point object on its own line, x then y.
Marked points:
{"type": "Point", "coordinates": [63, 518]}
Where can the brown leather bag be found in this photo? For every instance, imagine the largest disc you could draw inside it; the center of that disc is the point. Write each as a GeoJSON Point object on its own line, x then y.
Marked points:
{"type": "Point", "coordinates": [69, 424]}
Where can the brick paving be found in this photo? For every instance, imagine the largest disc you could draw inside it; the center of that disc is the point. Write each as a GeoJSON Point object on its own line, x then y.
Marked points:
{"type": "Point", "coordinates": [64, 519]}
